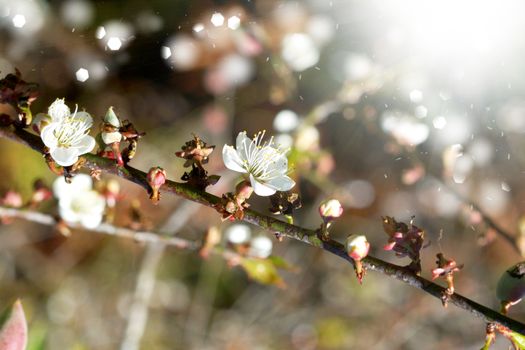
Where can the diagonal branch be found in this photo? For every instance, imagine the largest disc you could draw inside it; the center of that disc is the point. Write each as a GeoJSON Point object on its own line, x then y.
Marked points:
{"type": "Point", "coordinates": [304, 235]}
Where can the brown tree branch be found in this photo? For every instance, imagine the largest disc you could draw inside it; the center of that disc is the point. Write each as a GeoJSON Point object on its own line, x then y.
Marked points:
{"type": "Point", "coordinates": [304, 235]}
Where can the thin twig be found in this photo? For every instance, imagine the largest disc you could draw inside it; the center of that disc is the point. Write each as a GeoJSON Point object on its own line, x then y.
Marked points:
{"type": "Point", "coordinates": [138, 311]}
{"type": "Point", "coordinates": [104, 228]}
{"type": "Point", "coordinates": [511, 239]}
{"type": "Point", "coordinates": [304, 235]}
{"type": "Point", "coordinates": [145, 284]}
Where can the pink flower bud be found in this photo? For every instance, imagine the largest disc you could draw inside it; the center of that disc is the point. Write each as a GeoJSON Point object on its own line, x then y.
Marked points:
{"type": "Point", "coordinates": [111, 192]}
{"type": "Point", "coordinates": [156, 178]}
{"type": "Point", "coordinates": [357, 247]}
{"type": "Point", "coordinates": [330, 209]}
{"type": "Point", "coordinates": [243, 191]}
{"type": "Point", "coordinates": [12, 199]}
{"type": "Point", "coordinates": [40, 195]}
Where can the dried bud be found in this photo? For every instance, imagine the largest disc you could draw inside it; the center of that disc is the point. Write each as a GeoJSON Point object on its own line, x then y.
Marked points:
{"type": "Point", "coordinates": [511, 286]}
{"type": "Point", "coordinates": [156, 178]}
{"type": "Point", "coordinates": [284, 203]}
{"type": "Point", "coordinates": [446, 268]}
{"type": "Point", "coordinates": [405, 240]}
{"type": "Point", "coordinates": [198, 177]}
{"type": "Point", "coordinates": [40, 121]}
{"type": "Point", "coordinates": [18, 93]}
{"type": "Point", "coordinates": [230, 207]}
{"type": "Point", "coordinates": [195, 151]}
{"type": "Point", "coordinates": [357, 248]}
{"type": "Point", "coordinates": [330, 209]}
{"type": "Point", "coordinates": [128, 131]}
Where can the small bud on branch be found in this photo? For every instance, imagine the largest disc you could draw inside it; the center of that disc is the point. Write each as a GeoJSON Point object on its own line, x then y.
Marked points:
{"type": "Point", "coordinates": [156, 178]}
{"type": "Point", "coordinates": [357, 248]}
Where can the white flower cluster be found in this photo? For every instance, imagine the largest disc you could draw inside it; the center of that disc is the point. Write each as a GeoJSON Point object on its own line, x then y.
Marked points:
{"type": "Point", "coordinates": [259, 246]}
{"type": "Point", "coordinates": [66, 135]}
{"type": "Point", "coordinates": [264, 163]}
{"type": "Point", "coordinates": [78, 202]}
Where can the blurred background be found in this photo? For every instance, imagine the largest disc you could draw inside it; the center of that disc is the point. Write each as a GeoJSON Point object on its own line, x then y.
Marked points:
{"type": "Point", "coordinates": [396, 108]}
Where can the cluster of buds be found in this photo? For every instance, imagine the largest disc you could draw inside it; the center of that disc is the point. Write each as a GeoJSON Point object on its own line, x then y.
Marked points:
{"type": "Point", "coordinates": [446, 268]}
{"type": "Point", "coordinates": [405, 240]}
{"type": "Point", "coordinates": [19, 94]}
{"type": "Point", "coordinates": [329, 210]}
{"type": "Point", "coordinates": [196, 153]}
{"type": "Point", "coordinates": [233, 204]}
{"type": "Point", "coordinates": [156, 178]}
{"type": "Point", "coordinates": [113, 132]}
{"type": "Point", "coordinates": [41, 193]}
{"type": "Point", "coordinates": [239, 237]}
{"type": "Point", "coordinates": [357, 248]}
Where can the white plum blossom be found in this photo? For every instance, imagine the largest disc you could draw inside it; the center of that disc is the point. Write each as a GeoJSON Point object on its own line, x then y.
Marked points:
{"type": "Point", "coordinates": [78, 202]}
{"type": "Point", "coordinates": [67, 135]}
{"type": "Point", "coordinates": [238, 234]}
{"type": "Point", "coordinates": [260, 247]}
{"type": "Point", "coordinates": [265, 164]}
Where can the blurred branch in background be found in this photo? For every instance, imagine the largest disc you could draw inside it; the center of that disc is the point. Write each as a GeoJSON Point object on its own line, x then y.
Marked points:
{"type": "Point", "coordinates": [138, 312]}
{"type": "Point", "coordinates": [104, 228]}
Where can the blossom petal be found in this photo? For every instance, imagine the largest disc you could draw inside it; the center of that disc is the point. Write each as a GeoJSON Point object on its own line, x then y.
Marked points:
{"type": "Point", "coordinates": [281, 183]}
{"type": "Point", "coordinates": [79, 183]}
{"type": "Point", "coordinates": [260, 188]}
{"type": "Point", "coordinates": [241, 140]}
{"type": "Point", "coordinates": [91, 220]}
{"type": "Point", "coordinates": [65, 211]}
{"type": "Point", "coordinates": [85, 117]}
{"type": "Point", "coordinates": [84, 145]}
{"type": "Point", "coordinates": [232, 160]}
{"type": "Point", "coordinates": [64, 156]}
{"type": "Point", "coordinates": [48, 137]}
{"type": "Point", "coordinates": [277, 163]}
{"type": "Point", "coordinates": [110, 137]}
{"type": "Point", "coordinates": [58, 110]}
